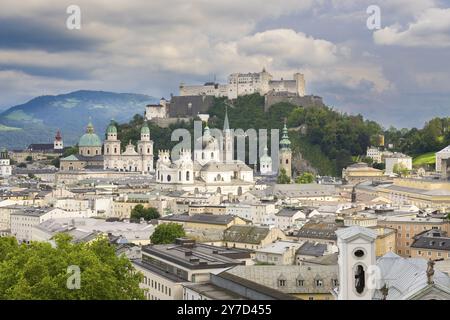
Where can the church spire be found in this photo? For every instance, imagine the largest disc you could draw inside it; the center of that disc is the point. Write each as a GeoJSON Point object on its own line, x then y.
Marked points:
{"type": "Point", "coordinates": [226, 125]}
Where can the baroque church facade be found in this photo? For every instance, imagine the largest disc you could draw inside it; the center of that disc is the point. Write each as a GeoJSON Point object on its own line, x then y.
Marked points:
{"type": "Point", "coordinates": [93, 154]}
{"type": "Point", "coordinates": [140, 160]}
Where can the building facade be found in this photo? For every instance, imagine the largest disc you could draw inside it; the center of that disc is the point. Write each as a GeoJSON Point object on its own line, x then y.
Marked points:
{"type": "Point", "coordinates": [240, 84]}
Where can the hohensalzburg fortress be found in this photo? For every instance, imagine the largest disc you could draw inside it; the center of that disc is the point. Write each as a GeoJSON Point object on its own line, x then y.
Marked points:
{"type": "Point", "coordinates": [240, 84]}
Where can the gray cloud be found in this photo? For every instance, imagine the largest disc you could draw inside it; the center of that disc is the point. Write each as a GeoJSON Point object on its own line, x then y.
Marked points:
{"type": "Point", "coordinates": [152, 46]}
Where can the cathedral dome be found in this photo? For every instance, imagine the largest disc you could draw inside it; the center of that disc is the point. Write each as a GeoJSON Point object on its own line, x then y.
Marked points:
{"type": "Point", "coordinates": [208, 141]}
{"type": "Point", "coordinates": [90, 139]}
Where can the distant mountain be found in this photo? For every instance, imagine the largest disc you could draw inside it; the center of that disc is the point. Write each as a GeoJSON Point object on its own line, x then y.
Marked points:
{"type": "Point", "coordinates": [37, 120]}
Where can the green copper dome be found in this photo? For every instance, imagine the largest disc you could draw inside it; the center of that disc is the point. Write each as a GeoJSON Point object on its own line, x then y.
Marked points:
{"type": "Point", "coordinates": [90, 139]}
{"type": "Point", "coordinates": [285, 143]}
{"type": "Point", "coordinates": [145, 129]}
{"type": "Point", "coordinates": [111, 128]}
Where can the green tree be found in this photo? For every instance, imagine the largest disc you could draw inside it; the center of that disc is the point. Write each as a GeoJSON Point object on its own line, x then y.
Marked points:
{"type": "Point", "coordinates": [70, 150]}
{"type": "Point", "coordinates": [148, 214]}
{"type": "Point", "coordinates": [29, 158]}
{"type": "Point", "coordinates": [283, 178]}
{"type": "Point", "coordinates": [400, 169]}
{"type": "Point", "coordinates": [167, 233]}
{"type": "Point", "coordinates": [41, 272]}
{"type": "Point", "coordinates": [305, 177]}
{"type": "Point", "coordinates": [55, 162]}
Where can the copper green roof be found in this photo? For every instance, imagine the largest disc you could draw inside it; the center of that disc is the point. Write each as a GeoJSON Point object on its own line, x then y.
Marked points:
{"type": "Point", "coordinates": [90, 139]}
{"type": "Point", "coordinates": [145, 129]}
{"type": "Point", "coordinates": [111, 128]}
{"type": "Point", "coordinates": [285, 143]}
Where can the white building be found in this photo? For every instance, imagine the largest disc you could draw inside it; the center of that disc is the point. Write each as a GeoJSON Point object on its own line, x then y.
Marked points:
{"type": "Point", "coordinates": [5, 165]}
{"type": "Point", "coordinates": [288, 218]}
{"type": "Point", "coordinates": [374, 153]}
{"type": "Point", "coordinates": [259, 213]}
{"type": "Point", "coordinates": [399, 159]}
{"type": "Point", "coordinates": [160, 110]}
{"type": "Point", "coordinates": [443, 154]}
{"type": "Point", "coordinates": [240, 84]}
{"type": "Point", "coordinates": [129, 160]}
{"type": "Point", "coordinates": [265, 164]}
{"type": "Point", "coordinates": [278, 253]}
{"type": "Point", "coordinates": [23, 221]}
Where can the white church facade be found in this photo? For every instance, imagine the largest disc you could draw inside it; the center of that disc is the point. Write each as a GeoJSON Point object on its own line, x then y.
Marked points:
{"type": "Point", "coordinates": [140, 160]}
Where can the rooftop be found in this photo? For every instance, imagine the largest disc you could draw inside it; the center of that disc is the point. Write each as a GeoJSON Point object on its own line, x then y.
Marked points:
{"type": "Point", "coordinates": [192, 255]}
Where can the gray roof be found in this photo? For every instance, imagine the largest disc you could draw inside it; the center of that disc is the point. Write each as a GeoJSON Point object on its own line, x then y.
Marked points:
{"type": "Point", "coordinates": [191, 256]}
{"type": "Point", "coordinates": [318, 230]}
{"type": "Point", "coordinates": [301, 190]}
{"type": "Point", "coordinates": [312, 249]}
{"type": "Point", "coordinates": [405, 277]}
{"type": "Point", "coordinates": [213, 291]}
{"type": "Point", "coordinates": [432, 239]}
{"type": "Point", "coordinates": [201, 218]}
{"type": "Point", "coordinates": [269, 276]}
{"type": "Point", "coordinates": [285, 212]}
{"type": "Point", "coordinates": [356, 231]}
{"type": "Point", "coordinates": [245, 234]}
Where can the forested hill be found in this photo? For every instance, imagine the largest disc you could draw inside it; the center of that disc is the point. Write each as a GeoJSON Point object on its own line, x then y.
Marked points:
{"type": "Point", "coordinates": [326, 138]}
{"type": "Point", "coordinates": [328, 143]}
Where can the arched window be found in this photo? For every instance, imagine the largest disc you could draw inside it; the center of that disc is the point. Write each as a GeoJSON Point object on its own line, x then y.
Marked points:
{"type": "Point", "coordinates": [169, 178]}
{"type": "Point", "coordinates": [187, 175]}
{"type": "Point", "coordinates": [179, 175]}
{"type": "Point", "coordinates": [212, 155]}
{"type": "Point", "coordinates": [89, 151]}
{"type": "Point", "coordinates": [287, 161]}
{"type": "Point", "coordinates": [360, 279]}
{"type": "Point", "coordinates": [203, 155]}
{"type": "Point", "coordinates": [107, 150]}
{"type": "Point", "coordinates": [115, 150]}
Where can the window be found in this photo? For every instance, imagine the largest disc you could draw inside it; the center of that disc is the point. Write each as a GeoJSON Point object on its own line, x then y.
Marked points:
{"type": "Point", "coordinates": [300, 283]}
{"type": "Point", "coordinates": [359, 253]}
{"type": "Point", "coordinates": [319, 283]}
{"type": "Point", "coordinates": [281, 283]}
{"type": "Point", "coordinates": [187, 175]}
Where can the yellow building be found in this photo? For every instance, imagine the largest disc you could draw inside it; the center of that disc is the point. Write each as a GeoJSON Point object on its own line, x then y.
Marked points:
{"type": "Point", "coordinates": [360, 172]}
{"type": "Point", "coordinates": [423, 193]}
{"type": "Point", "coordinates": [408, 227]}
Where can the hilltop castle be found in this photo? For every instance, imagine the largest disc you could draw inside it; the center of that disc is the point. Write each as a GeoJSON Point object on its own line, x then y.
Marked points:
{"type": "Point", "coordinates": [240, 84]}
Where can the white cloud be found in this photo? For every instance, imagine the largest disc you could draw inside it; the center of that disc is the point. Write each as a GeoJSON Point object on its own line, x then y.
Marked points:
{"type": "Point", "coordinates": [431, 29]}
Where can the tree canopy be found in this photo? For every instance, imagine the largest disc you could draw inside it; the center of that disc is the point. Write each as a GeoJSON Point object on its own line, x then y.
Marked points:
{"type": "Point", "coordinates": [305, 177]}
{"type": "Point", "coordinates": [148, 214]}
{"type": "Point", "coordinates": [283, 178]}
{"type": "Point", "coordinates": [167, 233]}
{"type": "Point", "coordinates": [41, 272]}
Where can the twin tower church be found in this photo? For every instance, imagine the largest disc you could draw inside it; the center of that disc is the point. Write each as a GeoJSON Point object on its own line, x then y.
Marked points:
{"type": "Point", "coordinates": [212, 163]}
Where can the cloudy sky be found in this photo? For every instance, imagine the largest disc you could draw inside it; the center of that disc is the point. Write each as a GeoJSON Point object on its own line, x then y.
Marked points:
{"type": "Point", "coordinates": [399, 74]}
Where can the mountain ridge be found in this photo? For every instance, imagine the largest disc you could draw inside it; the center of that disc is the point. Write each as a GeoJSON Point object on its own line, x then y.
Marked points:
{"type": "Point", "coordinates": [37, 120]}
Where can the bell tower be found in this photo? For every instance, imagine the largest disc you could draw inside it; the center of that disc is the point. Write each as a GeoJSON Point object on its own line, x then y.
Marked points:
{"type": "Point", "coordinates": [356, 261]}
{"type": "Point", "coordinates": [285, 153]}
